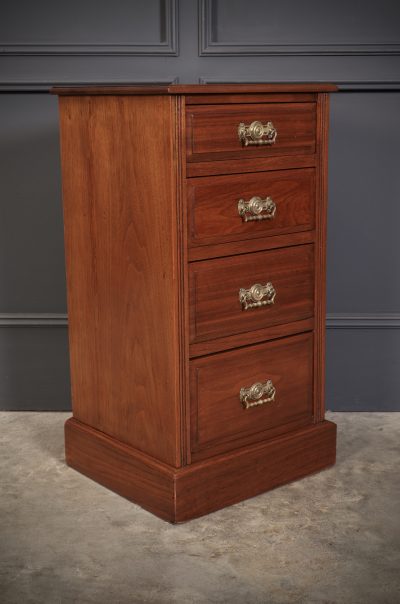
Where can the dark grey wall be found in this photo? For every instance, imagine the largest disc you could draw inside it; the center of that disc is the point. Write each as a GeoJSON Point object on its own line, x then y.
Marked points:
{"type": "Point", "coordinates": [356, 45]}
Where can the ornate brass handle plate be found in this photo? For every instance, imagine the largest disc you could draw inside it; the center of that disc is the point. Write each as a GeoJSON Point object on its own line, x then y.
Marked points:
{"type": "Point", "coordinates": [257, 295]}
{"type": "Point", "coordinates": [255, 206]}
{"type": "Point", "coordinates": [258, 394]}
{"type": "Point", "coordinates": [257, 133]}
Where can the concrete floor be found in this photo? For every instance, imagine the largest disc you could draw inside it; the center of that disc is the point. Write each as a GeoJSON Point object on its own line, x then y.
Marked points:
{"type": "Point", "coordinates": [331, 538]}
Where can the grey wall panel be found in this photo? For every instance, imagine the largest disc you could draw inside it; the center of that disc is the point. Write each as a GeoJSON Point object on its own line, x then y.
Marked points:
{"type": "Point", "coordinates": [36, 71]}
{"type": "Point", "coordinates": [363, 268]}
{"type": "Point", "coordinates": [45, 66]}
{"type": "Point", "coordinates": [31, 230]}
{"type": "Point", "coordinates": [363, 370]}
{"type": "Point", "coordinates": [34, 369]}
{"type": "Point", "coordinates": [33, 360]}
{"type": "Point", "coordinates": [349, 43]}
{"type": "Point", "coordinates": [364, 208]}
{"type": "Point", "coordinates": [234, 27]}
{"type": "Point", "coordinates": [54, 28]}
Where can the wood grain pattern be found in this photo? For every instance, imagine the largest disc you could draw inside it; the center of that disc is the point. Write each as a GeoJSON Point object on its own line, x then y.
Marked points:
{"type": "Point", "coordinates": [178, 495]}
{"type": "Point", "coordinates": [121, 468]}
{"type": "Point", "coordinates": [189, 89]}
{"type": "Point", "coordinates": [212, 130]}
{"type": "Point", "coordinates": [253, 337]}
{"type": "Point", "coordinates": [220, 481]}
{"type": "Point", "coordinates": [320, 257]}
{"type": "Point", "coordinates": [156, 254]}
{"type": "Point", "coordinates": [213, 215]}
{"type": "Point", "coordinates": [122, 254]}
{"type": "Point", "coordinates": [182, 252]}
{"type": "Point", "coordinates": [217, 413]}
{"type": "Point", "coordinates": [254, 164]}
{"type": "Point", "coordinates": [232, 248]}
{"type": "Point", "coordinates": [244, 440]}
{"type": "Point", "coordinates": [215, 309]}
{"type": "Point", "coordinates": [245, 97]}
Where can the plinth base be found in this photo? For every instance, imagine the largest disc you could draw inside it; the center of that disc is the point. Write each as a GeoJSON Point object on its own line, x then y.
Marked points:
{"type": "Point", "coordinates": [180, 494]}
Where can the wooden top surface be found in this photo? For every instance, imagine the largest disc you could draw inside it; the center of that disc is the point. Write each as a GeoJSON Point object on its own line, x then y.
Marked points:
{"type": "Point", "coordinates": [191, 89]}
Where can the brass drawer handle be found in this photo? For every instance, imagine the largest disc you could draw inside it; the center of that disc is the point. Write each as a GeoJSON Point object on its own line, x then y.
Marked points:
{"type": "Point", "coordinates": [258, 394]}
{"type": "Point", "coordinates": [255, 206]}
{"type": "Point", "coordinates": [253, 297]}
{"type": "Point", "coordinates": [257, 133]}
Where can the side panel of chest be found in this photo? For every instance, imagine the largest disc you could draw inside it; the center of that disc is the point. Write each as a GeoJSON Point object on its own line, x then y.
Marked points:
{"type": "Point", "coordinates": [122, 256]}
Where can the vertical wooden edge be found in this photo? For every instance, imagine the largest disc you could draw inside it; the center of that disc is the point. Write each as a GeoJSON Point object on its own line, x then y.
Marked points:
{"type": "Point", "coordinates": [188, 138]}
{"type": "Point", "coordinates": [190, 197]}
{"type": "Point", "coordinates": [184, 402]}
{"type": "Point", "coordinates": [62, 102]}
{"type": "Point", "coordinates": [192, 302]}
{"type": "Point", "coordinates": [320, 256]}
{"type": "Point", "coordinates": [194, 412]}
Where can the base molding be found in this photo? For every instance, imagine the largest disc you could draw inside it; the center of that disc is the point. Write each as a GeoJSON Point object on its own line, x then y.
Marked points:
{"type": "Point", "coordinates": [181, 494]}
{"type": "Point", "coordinates": [121, 468]}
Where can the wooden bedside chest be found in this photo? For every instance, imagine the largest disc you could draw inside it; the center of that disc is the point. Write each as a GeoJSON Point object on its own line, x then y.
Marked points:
{"type": "Point", "coordinates": [195, 247]}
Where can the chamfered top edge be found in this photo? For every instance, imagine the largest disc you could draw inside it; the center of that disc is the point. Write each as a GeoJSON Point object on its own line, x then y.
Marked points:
{"type": "Point", "coordinates": [157, 89]}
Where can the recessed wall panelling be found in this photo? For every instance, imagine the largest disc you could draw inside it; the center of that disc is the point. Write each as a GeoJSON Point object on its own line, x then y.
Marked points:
{"type": "Point", "coordinates": [122, 27]}
{"type": "Point", "coordinates": [309, 27]}
{"type": "Point", "coordinates": [44, 42]}
{"type": "Point", "coordinates": [34, 369]}
{"type": "Point", "coordinates": [45, 85]}
{"type": "Point", "coordinates": [31, 229]}
{"type": "Point", "coordinates": [362, 370]}
{"type": "Point", "coordinates": [364, 209]}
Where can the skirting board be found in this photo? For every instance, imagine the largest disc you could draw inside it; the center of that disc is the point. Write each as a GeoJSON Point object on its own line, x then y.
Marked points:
{"type": "Point", "coordinates": [181, 494]}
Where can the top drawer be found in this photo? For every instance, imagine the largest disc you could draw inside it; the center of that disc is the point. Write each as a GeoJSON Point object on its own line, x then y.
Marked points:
{"type": "Point", "coordinates": [246, 131]}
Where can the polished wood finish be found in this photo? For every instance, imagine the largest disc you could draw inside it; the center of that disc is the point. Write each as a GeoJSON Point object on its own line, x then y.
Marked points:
{"type": "Point", "coordinates": [121, 468]}
{"type": "Point", "coordinates": [215, 309]}
{"type": "Point", "coordinates": [220, 481]}
{"type": "Point", "coordinates": [156, 253]}
{"type": "Point", "coordinates": [255, 164]}
{"type": "Point", "coordinates": [320, 258]}
{"type": "Point", "coordinates": [217, 414]}
{"type": "Point", "coordinates": [121, 255]}
{"type": "Point", "coordinates": [213, 205]}
{"type": "Point", "coordinates": [245, 97]}
{"type": "Point", "coordinates": [212, 130]}
{"type": "Point", "coordinates": [232, 248]}
{"type": "Point", "coordinates": [196, 89]}
{"type": "Point", "coordinates": [198, 349]}
{"type": "Point", "coordinates": [178, 495]}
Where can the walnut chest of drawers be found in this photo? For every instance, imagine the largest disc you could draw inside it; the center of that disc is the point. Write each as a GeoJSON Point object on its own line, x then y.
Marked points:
{"type": "Point", "coordinates": [195, 249]}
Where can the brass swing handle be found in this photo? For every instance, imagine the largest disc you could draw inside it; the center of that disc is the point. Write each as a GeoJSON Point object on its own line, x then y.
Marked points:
{"type": "Point", "coordinates": [255, 206]}
{"type": "Point", "coordinates": [258, 394]}
{"type": "Point", "coordinates": [257, 295]}
{"type": "Point", "coordinates": [257, 133]}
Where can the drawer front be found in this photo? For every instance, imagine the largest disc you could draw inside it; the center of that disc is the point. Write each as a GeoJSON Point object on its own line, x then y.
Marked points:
{"type": "Point", "coordinates": [239, 207]}
{"type": "Point", "coordinates": [280, 129]}
{"type": "Point", "coordinates": [219, 308]}
{"type": "Point", "coordinates": [251, 390]}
